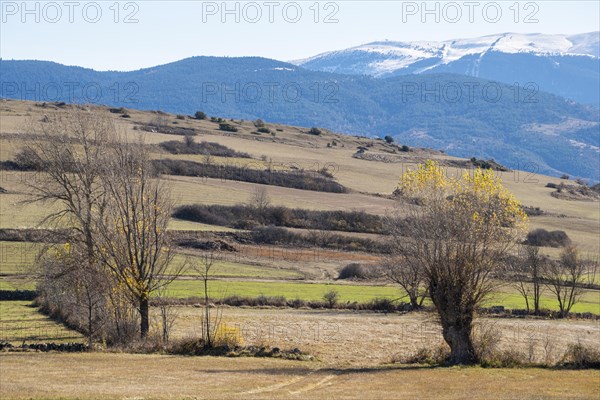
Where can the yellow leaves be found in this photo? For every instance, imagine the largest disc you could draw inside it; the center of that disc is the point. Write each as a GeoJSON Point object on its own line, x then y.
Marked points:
{"type": "Point", "coordinates": [427, 176]}
{"type": "Point", "coordinates": [478, 195]}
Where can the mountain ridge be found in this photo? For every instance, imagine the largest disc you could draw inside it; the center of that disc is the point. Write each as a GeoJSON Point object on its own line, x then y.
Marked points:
{"type": "Point", "coordinates": [566, 65]}
{"type": "Point", "coordinates": [510, 128]}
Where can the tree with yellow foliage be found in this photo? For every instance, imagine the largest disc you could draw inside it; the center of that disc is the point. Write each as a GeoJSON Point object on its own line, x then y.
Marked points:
{"type": "Point", "coordinates": [457, 232]}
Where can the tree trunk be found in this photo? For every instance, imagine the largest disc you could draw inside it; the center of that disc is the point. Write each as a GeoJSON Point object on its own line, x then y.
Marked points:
{"type": "Point", "coordinates": [536, 294]}
{"type": "Point", "coordinates": [90, 326]}
{"type": "Point", "coordinates": [461, 345]}
{"type": "Point", "coordinates": [145, 322]}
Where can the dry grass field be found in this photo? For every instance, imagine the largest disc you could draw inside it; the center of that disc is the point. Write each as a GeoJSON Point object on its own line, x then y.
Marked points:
{"type": "Point", "coordinates": [130, 376]}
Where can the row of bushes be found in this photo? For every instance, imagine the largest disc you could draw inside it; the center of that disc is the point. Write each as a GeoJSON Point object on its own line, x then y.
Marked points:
{"type": "Point", "coordinates": [576, 356]}
{"type": "Point", "coordinates": [327, 240]}
{"type": "Point", "coordinates": [191, 147]}
{"type": "Point", "coordinates": [65, 347]}
{"type": "Point", "coordinates": [248, 217]}
{"type": "Point", "coordinates": [33, 235]}
{"type": "Point", "coordinates": [294, 179]}
{"type": "Point", "coordinates": [166, 129]}
{"type": "Point", "coordinates": [17, 295]}
{"type": "Point", "coordinates": [378, 304]}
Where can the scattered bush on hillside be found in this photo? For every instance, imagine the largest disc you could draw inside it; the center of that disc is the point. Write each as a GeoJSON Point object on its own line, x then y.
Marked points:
{"type": "Point", "coordinates": [118, 110]}
{"type": "Point", "coordinates": [200, 115]}
{"type": "Point", "coordinates": [298, 179]}
{"type": "Point", "coordinates": [542, 237]}
{"type": "Point", "coordinates": [533, 211]}
{"type": "Point", "coordinates": [263, 130]}
{"type": "Point", "coordinates": [405, 148]}
{"type": "Point", "coordinates": [389, 139]}
{"type": "Point", "coordinates": [191, 147]}
{"type": "Point", "coordinates": [489, 164]}
{"type": "Point", "coordinates": [314, 131]}
{"type": "Point", "coordinates": [227, 127]}
{"type": "Point", "coordinates": [166, 129]}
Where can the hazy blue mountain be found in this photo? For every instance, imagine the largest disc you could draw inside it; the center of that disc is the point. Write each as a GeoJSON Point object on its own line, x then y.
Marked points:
{"type": "Point", "coordinates": [465, 116]}
{"type": "Point", "coordinates": [567, 65]}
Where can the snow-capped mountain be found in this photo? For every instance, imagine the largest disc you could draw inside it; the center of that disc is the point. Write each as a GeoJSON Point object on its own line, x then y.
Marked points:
{"type": "Point", "coordinates": [567, 65]}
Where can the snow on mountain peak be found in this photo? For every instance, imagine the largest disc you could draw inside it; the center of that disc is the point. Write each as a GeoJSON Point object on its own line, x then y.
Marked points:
{"type": "Point", "coordinates": [388, 56]}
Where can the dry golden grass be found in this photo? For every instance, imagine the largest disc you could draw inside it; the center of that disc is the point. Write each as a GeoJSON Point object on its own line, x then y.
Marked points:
{"type": "Point", "coordinates": [108, 376]}
{"type": "Point", "coordinates": [368, 339]}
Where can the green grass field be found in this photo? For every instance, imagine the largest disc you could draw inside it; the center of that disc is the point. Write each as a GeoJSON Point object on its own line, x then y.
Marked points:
{"type": "Point", "coordinates": [20, 321]}
{"type": "Point", "coordinates": [291, 291]}
{"type": "Point", "coordinates": [193, 265]}
{"type": "Point", "coordinates": [590, 301]}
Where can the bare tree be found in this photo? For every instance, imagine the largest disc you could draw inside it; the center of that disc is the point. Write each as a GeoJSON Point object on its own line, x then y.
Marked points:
{"type": "Point", "coordinates": [134, 243]}
{"type": "Point", "coordinates": [409, 276]}
{"type": "Point", "coordinates": [564, 279]}
{"type": "Point", "coordinates": [260, 199]}
{"type": "Point", "coordinates": [527, 272]}
{"type": "Point", "coordinates": [401, 270]}
{"type": "Point", "coordinates": [68, 288]}
{"type": "Point", "coordinates": [168, 314]}
{"type": "Point", "coordinates": [457, 231]}
{"type": "Point", "coordinates": [210, 321]}
{"type": "Point", "coordinates": [69, 151]}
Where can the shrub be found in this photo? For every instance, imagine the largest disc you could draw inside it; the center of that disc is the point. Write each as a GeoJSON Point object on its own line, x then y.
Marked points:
{"type": "Point", "coordinates": [427, 355]}
{"type": "Point", "coordinates": [263, 130]}
{"type": "Point", "coordinates": [504, 359]}
{"type": "Point", "coordinates": [259, 123]}
{"type": "Point", "coordinates": [353, 271]}
{"type": "Point", "coordinates": [382, 304]}
{"type": "Point", "coordinates": [200, 115]}
{"type": "Point", "coordinates": [331, 297]}
{"type": "Point", "coordinates": [226, 335]}
{"type": "Point", "coordinates": [180, 116]}
{"type": "Point", "coordinates": [580, 356]}
{"type": "Point", "coordinates": [405, 148]}
{"type": "Point", "coordinates": [227, 127]}
{"type": "Point", "coordinates": [389, 139]}
{"type": "Point", "coordinates": [541, 237]}
{"type": "Point", "coordinates": [565, 176]}
{"type": "Point", "coordinates": [315, 131]}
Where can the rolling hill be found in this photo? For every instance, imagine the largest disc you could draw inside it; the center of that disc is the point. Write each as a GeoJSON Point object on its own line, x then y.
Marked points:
{"type": "Point", "coordinates": [463, 116]}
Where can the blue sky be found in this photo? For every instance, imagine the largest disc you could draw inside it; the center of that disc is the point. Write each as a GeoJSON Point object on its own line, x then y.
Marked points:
{"type": "Point", "coordinates": [130, 35]}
